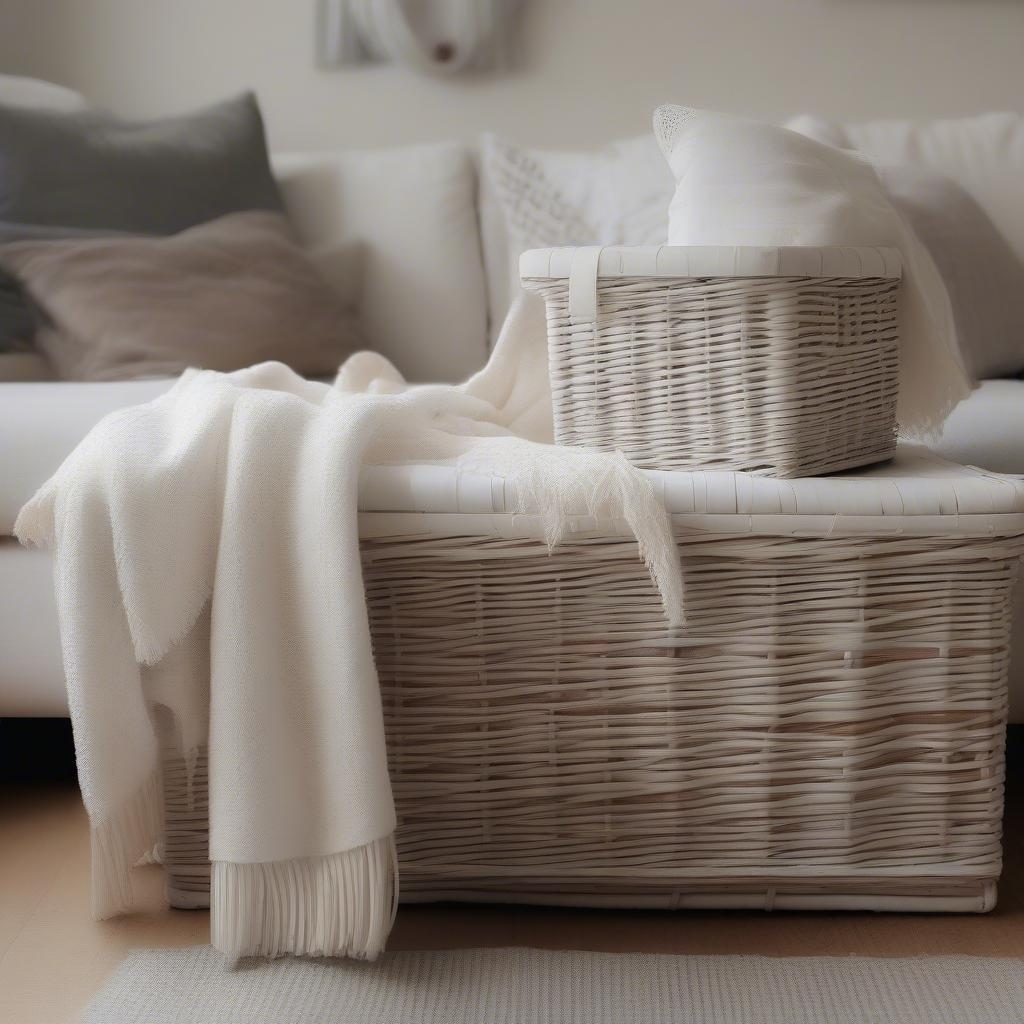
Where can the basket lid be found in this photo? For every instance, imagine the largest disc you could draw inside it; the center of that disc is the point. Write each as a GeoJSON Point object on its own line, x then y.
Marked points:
{"type": "Point", "coordinates": [584, 265]}
{"type": "Point", "coordinates": [915, 485]}
{"type": "Point", "coordinates": [714, 261]}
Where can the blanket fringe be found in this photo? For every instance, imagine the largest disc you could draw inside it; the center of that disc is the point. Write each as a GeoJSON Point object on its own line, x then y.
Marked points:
{"type": "Point", "coordinates": [120, 843]}
{"type": "Point", "coordinates": [340, 905]}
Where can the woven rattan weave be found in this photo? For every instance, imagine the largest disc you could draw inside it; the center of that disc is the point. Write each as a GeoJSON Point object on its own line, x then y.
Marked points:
{"type": "Point", "coordinates": [783, 376]}
{"type": "Point", "coordinates": [825, 732]}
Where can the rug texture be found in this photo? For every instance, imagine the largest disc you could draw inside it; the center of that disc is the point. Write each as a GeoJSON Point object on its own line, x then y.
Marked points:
{"type": "Point", "coordinates": [531, 986]}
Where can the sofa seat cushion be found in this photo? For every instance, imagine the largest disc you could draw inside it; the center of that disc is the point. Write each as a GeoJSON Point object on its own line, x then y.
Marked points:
{"type": "Point", "coordinates": [987, 428]}
{"type": "Point", "coordinates": [40, 424]}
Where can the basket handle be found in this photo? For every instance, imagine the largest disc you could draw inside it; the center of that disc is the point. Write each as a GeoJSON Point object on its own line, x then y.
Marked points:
{"type": "Point", "coordinates": [583, 284]}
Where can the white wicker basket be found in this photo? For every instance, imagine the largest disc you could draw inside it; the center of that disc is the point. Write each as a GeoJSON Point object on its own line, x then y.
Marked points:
{"type": "Point", "coordinates": [825, 732]}
{"type": "Point", "coordinates": [778, 361]}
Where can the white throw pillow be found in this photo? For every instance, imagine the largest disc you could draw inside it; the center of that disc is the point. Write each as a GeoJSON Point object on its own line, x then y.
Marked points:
{"type": "Point", "coordinates": [409, 216]}
{"type": "Point", "coordinates": [534, 198]}
{"type": "Point", "coordinates": [742, 182]}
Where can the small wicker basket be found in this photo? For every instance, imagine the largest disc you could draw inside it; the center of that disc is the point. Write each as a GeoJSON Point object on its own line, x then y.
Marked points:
{"type": "Point", "coordinates": [777, 361]}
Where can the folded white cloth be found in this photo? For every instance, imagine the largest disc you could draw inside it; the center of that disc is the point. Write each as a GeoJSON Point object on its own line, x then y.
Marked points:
{"type": "Point", "coordinates": [207, 559]}
{"type": "Point", "coordinates": [741, 182]}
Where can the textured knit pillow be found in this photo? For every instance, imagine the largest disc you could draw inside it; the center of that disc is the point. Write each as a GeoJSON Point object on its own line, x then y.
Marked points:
{"type": "Point", "coordinates": [221, 296]}
{"type": "Point", "coordinates": [533, 198]}
{"type": "Point", "coordinates": [87, 170]}
{"type": "Point", "coordinates": [741, 182]}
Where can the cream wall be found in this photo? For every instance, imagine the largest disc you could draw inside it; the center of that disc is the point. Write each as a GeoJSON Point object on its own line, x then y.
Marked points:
{"type": "Point", "coordinates": [588, 71]}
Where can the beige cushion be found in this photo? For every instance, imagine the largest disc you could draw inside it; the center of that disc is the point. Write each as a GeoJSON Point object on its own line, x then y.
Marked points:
{"type": "Point", "coordinates": [24, 366]}
{"type": "Point", "coordinates": [235, 291]}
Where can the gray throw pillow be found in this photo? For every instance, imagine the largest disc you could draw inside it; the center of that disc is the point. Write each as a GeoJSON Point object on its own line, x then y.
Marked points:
{"type": "Point", "coordinates": [983, 276]}
{"type": "Point", "coordinates": [223, 295]}
{"type": "Point", "coordinates": [88, 170]}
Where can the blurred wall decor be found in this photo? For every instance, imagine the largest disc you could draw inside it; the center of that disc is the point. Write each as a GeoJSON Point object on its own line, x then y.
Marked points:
{"type": "Point", "coordinates": [439, 37]}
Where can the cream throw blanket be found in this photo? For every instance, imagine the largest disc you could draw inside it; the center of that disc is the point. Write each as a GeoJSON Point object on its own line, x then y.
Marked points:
{"type": "Point", "coordinates": [207, 559]}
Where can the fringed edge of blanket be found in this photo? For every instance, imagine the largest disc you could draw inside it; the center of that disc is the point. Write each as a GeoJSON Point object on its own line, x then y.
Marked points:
{"type": "Point", "coordinates": [343, 904]}
{"type": "Point", "coordinates": [119, 843]}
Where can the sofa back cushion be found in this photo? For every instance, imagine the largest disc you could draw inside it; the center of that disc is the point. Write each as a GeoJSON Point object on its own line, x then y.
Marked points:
{"type": "Point", "coordinates": [983, 276]}
{"type": "Point", "coordinates": [984, 154]}
{"type": "Point", "coordinates": [979, 249]}
{"type": "Point", "coordinates": [404, 222]}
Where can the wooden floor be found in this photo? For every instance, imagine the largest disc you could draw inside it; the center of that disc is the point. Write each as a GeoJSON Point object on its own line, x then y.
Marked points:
{"type": "Point", "coordinates": [53, 957]}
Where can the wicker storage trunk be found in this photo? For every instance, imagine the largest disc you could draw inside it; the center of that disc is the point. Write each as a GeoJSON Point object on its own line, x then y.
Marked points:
{"type": "Point", "coordinates": [826, 731]}
{"type": "Point", "coordinates": [777, 361]}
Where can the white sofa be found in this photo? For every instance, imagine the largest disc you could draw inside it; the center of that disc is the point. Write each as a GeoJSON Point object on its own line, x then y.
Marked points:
{"type": "Point", "coordinates": [400, 231]}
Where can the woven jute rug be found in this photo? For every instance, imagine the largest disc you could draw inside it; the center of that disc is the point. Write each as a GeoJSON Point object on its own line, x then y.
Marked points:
{"type": "Point", "coordinates": [531, 986]}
